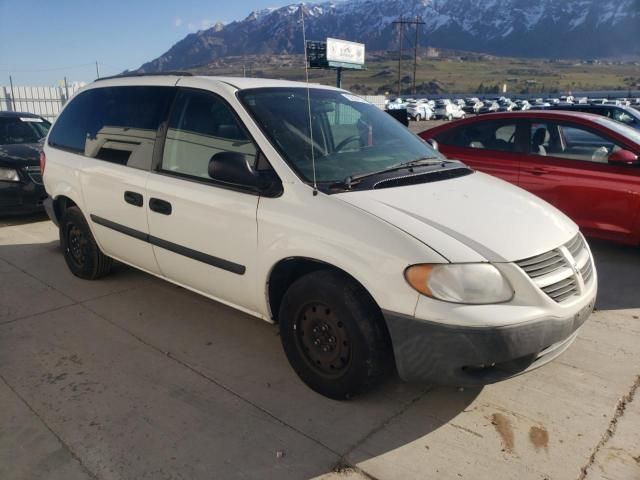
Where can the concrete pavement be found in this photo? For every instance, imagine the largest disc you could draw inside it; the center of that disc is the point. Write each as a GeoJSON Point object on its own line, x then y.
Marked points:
{"type": "Point", "coordinates": [131, 377]}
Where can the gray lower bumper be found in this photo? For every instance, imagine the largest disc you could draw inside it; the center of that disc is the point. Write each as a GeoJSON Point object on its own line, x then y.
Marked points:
{"type": "Point", "coordinates": [51, 212]}
{"type": "Point", "coordinates": [466, 356]}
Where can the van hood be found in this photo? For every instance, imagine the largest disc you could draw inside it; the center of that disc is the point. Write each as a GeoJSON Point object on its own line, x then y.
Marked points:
{"type": "Point", "coordinates": [471, 218]}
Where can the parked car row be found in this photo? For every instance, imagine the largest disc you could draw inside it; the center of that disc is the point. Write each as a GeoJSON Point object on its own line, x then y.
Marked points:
{"type": "Point", "coordinates": [425, 109]}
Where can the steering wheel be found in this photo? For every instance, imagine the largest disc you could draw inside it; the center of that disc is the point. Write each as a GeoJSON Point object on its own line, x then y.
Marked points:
{"type": "Point", "coordinates": [346, 142]}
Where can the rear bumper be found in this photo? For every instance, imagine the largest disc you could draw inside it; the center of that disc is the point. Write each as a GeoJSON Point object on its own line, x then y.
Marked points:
{"type": "Point", "coordinates": [437, 353]}
{"type": "Point", "coordinates": [51, 212]}
{"type": "Point", "coordinates": [21, 197]}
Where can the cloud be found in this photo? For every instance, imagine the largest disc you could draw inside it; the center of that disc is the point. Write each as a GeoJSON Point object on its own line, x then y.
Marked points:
{"type": "Point", "coordinates": [205, 23]}
{"type": "Point", "coordinates": [177, 22]}
{"type": "Point", "coordinates": [192, 27]}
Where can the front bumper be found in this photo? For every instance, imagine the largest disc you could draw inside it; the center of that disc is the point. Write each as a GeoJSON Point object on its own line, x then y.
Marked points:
{"type": "Point", "coordinates": [434, 352]}
{"type": "Point", "coordinates": [21, 197]}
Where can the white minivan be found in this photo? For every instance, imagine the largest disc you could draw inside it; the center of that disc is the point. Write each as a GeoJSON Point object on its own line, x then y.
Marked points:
{"type": "Point", "coordinates": [314, 210]}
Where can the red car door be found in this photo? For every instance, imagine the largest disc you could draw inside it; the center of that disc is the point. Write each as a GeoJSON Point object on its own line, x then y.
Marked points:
{"type": "Point", "coordinates": [568, 166]}
{"type": "Point", "coordinates": [490, 146]}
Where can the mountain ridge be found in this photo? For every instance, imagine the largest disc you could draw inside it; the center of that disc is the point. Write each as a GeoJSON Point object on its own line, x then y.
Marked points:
{"type": "Point", "coordinates": [544, 29]}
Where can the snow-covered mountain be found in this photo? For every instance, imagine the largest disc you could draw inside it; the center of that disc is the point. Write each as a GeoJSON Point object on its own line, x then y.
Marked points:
{"type": "Point", "coordinates": [526, 28]}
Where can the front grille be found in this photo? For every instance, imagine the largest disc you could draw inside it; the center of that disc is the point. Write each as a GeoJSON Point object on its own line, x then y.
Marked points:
{"type": "Point", "coordinates": [557, 271]}
{"type": "Point", "coordinates": [34, 174]}
{"type": "Point", "coordinates": [562, 290]}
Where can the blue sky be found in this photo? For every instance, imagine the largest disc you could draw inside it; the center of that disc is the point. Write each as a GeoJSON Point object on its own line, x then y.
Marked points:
{"type": "Point", "coordinates": [42, 41]}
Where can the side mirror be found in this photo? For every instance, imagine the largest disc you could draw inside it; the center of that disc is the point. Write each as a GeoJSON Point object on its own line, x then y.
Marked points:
{"type": "Point", "coordinates": [234, 168]}
{"type": "Point", "coordinates": [434, 143]}
{"type": "Point", "coordinates": [623, 157]}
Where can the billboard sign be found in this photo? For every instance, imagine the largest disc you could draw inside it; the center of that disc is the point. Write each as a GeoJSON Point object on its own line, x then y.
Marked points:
{"type": "Point", "coordinates": [344, 52]}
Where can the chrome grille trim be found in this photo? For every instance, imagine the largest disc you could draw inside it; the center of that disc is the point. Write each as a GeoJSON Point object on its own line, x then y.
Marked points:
{"type": "Point", "coordinates": [563, 272]}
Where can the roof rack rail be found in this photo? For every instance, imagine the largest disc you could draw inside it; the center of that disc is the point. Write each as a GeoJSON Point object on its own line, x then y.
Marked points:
{"type": "Point", "coordinates": [152, 74]}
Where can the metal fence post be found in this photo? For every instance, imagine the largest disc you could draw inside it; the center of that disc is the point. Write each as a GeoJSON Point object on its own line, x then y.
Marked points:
{"type": "Point", "coordinates": [66, 91]}
{"type": "Point", "coordinates": [13, 98]}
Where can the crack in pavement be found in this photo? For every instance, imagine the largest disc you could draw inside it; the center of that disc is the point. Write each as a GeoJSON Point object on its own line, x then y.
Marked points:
{"type": "Point", "coordinates": [613, 425]}
{"type": "Point", "coordinates": [343, 462]}
{"type": "Point", "coordinates": [342, 468]}
{"type": "Point", "coordinates": [66, 446]}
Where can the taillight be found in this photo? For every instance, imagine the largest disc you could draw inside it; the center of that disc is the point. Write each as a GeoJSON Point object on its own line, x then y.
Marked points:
{"type": "Point", "coordinates": [43, 162]}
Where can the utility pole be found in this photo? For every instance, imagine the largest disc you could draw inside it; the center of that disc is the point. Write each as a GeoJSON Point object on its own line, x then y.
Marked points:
{"type": "Point", "coordinates": [97, 71]}
{"type": "Point", "coordinates": [402, 22]}
{"type": "Point", "coordinates": [418, 22]}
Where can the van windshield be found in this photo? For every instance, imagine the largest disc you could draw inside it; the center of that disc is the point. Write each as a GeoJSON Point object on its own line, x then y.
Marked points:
{"type": "Point", "coordinates": [349, 136]}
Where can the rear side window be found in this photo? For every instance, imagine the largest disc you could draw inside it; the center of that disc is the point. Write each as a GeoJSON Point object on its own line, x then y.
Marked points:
{"type": "Point", "coordinates": [571, 142]}
{"type": "Point", "coordinates": [497, 136]}
{"type": "Point", "coordinates": [114, 124]}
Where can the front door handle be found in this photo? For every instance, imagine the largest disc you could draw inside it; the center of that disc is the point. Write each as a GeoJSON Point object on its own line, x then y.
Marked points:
{"type": "Point", "coordinates": [134, 198]}
{"type": "Point", "coordinates": [160, 206]}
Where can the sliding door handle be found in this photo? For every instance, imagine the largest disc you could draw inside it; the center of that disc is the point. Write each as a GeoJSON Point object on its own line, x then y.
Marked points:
{"type": "Point", "coordinates": [134, 198]}
{"type": "Point", "coordinates": [160, 206]}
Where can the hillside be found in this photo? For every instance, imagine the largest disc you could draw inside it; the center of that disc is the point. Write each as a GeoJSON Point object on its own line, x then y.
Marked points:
{"type": "Point", "coordinates": [448, 72]}
{"type": "Point", "coordinates": [523, 28]}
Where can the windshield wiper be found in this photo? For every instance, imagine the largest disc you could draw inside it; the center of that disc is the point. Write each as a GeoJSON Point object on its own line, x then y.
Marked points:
{"type": "Point", "coordinates": [351, 179]}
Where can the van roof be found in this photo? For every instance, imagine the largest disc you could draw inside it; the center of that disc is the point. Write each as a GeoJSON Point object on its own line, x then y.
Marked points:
{"type": "Point", "coordinates": [171, 78]}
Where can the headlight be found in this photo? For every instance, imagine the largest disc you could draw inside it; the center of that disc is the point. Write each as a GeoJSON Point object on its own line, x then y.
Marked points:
{"type": "Point", "coordinates": [469, 283]}
{"type": "Point", "coordinates": [9, 175]}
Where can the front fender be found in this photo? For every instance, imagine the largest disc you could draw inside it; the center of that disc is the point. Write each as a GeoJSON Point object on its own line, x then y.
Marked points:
{"type": "Point", "coordinates": [328, 230]}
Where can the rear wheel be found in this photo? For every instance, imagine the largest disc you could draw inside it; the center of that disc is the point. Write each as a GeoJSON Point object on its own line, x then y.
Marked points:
{"type": "Point", "coordinates": [82, 254]}
{"type": "Point", "coordinates": [333, 335]}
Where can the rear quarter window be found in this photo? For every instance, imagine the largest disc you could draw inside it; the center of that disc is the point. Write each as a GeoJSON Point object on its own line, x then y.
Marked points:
{"type": "Point", "coordinates": [113, 124]}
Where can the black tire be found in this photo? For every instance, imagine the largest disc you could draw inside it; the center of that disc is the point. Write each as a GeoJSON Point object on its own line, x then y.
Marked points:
{"type": "Point", "coordinates": [326, 305]}
{"type": "Point", "coordinates": [82, 254]}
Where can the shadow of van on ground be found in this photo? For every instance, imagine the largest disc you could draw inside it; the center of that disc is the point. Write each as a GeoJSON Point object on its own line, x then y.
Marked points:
{"type": "Point", "coordinates": [618, 269]}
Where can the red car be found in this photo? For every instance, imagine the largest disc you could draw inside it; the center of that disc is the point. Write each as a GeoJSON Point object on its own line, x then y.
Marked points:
{"type": "Point", "coordinates": [585, 165]}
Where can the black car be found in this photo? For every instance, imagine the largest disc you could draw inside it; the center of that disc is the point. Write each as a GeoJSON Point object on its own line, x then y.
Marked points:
{"type": "Point", "coordinates": [627, 115]}
{"type": "Point", "coordinates": [21, 137]}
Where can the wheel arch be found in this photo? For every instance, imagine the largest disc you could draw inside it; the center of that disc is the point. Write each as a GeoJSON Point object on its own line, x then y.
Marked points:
{"type": "Point", "coordinates": [287, 270]}
{"type": "Point", "coordinates": [61, 203]}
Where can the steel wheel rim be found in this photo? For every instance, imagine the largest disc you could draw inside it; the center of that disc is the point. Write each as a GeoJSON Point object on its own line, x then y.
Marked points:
{"type": "Point", "coordinates": [76, 243]}
{"type": "Point", "coordinates": [323, 340]}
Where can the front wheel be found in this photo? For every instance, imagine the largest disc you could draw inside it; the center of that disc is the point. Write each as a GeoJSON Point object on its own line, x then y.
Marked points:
{"type": "Point", "coordinates": [334, 335]}
{"type": "Point", "coordinates": [82, 254]}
